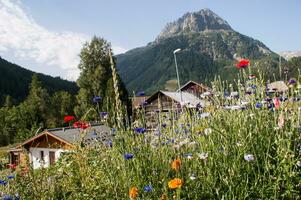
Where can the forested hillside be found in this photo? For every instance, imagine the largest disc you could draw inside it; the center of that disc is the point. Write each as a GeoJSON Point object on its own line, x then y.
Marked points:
{"type": "Point", "coordinates": [15, 80]}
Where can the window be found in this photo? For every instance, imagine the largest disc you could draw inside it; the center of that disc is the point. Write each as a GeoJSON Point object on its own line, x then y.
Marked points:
{"type": "Point", "coordinates": [42, 155]}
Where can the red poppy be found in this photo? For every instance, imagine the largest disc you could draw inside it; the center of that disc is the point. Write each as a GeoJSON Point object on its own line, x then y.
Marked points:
{"type": "Point", "coordinates": [12, 166]}
{"type": "Point", "coordinates": [243, 63]}
{"type": "Point", "coordinates": [82, 125]}
{"type": "Point", "coordinates": [69, 118]}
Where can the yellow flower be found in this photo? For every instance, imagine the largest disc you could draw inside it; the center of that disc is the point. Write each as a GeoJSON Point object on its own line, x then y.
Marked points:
{"type": "Point", "coordinates": [133, 192]}
{"type": "Point", "coordinates": [176, 164]}
{"type": "Point", "coordinates": [175, 183]}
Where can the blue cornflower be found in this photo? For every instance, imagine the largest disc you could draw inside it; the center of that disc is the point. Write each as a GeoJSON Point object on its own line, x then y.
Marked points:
{"type": "Point", "coordinates": [3, 182]}
{"type": "Point", "coordinates": [140, 130]}
{"type": "Point", "coordinates": [258, 105]}
{"type": "Point", "coordinates": [148, 188]}
{"type": "Point", "coordinates": [103, 114]}
{"type": "Point", "coordinates": [11, 176]}
{"type": "Point", "coordinates": [96, 99]}
{"type": "Point", "coordinates": [128, 156]}
{"type": "Point", "coordinates": [109, 143]}
{"type": "Point", "coordinates": [7, 198]}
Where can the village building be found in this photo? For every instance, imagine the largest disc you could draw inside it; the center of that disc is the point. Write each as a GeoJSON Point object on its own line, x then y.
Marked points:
{"type": "Point", "coordinates": [46, 148]}
{"type": "Point", "coordinates": [167, 102]}
{"type": "Point", "coordinates": [197, 89]}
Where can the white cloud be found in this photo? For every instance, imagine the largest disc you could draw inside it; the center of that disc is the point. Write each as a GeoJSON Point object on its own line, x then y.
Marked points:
{"type": "Point", "coordinates": [20, 34]}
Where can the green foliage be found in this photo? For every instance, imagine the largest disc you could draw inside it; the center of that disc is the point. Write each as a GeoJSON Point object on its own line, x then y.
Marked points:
{"type": "Point", "coordinates": [37, 112]}
{"type": "Point", "coordinates": [96, 80]}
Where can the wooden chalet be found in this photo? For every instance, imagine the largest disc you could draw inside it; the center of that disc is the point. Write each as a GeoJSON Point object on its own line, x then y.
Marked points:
{"type": "Point", "coordinates": [194, 88]}
{"type": "Point", "coordinates": [163, 101]}
{"type": "Point", "coordinates": [45, 148]}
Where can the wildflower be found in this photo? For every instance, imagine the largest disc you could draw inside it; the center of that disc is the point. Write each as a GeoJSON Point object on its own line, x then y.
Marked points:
{"type": "Point", "coordinates": [175, 183]}
{"type": "Point", "coordinates": [292, 81]}
{"type": "Point", "coordinates": [204, 115]}
{"type": "Point", "coordinates": [148, 188]}
{"type": "Point", "coordinates": [7, 198]}
{"type": "Point", "coordinates": [243, 64]}
{"type": "Point", "coordinates": [140, 130]}
{"type": "Point", "coordinates": [239, 144]}
{"type": "Point", "coordinates": [11, 176]}
{"type": "Point", "coordinates": [69, 118]}
{"type": "Point", "coordinates": [109, 143]}
{"type": "Point", "coordinates": [207, 131]}
{"type": "Point", "coordinates": [192, 177]}
{"type": "Point", "coordinates": [258, 105]}
{"type": "Point", "coordinates": [96, 99]}
{"type": "Point", "coordinates": [188, 155]}
{"type": "Point", "coordinates": [276, 102]}
{"type": "Point", "coordinates": [298, 163]}
{"type": "Point", "coordinates": [249, 157]}
{"type": "Point", "coordinates": [203, 155]}
{"type": "Point", "coordinates": [12, 166]}
{"type": "Point", "coordinates": [128, 156]}
{"type": "Point", "coordinates": [104, 114]}
{"type": "Point", "coordinates": [133, 192]}
{"type": "Point", "coordinates": [3, 182]}
{"type": "Point", "coordinates": [164, 125]}
{"type": "Point", "coordinates": [82, 125]}
{"type": "Point", "coordinates": [176, 164]}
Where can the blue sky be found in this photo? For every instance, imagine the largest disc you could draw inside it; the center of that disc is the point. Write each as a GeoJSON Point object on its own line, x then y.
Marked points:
{"type": "Point", "coordinates": [46, 35]}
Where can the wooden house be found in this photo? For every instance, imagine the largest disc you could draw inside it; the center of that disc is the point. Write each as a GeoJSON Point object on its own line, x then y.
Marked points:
{"type": "Point", "coordinates": [46, 148]}
{"type": "Point", "coordinates": [194, 88]}
{"type": "Point", "coordinates": [167, 102]}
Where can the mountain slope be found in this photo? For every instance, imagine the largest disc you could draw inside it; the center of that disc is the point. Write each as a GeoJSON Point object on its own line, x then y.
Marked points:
{"type": "Point", "coordinates": [15, 80]}
{"type": "Point", "coordinates": [208, 43]}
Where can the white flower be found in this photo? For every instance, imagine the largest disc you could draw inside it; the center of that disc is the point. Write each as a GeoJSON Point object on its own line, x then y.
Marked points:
{"type": "Point", "coordinates": [207, 131]}
{"type": "Point", "coordinates": [204, 115]}
{"type": "Point", "coordinates": [192, 177]}
{"type": "Point", "coordinates": [298, 163]}
{"type": "Point", "coordinates": [203, 155]}
{"type": "Point", "coordinates": [239, 144]}
{"type": "Point", "coordinates": [249, 157]}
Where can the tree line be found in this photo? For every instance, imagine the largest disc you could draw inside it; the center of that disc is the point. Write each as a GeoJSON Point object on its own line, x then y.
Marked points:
{"type": "Point", "coordinates": [41, 109]}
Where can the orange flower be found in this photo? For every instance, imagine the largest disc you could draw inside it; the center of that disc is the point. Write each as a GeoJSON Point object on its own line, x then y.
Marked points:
{"type": "Point", "coordinates": [133, 192]}
{"type": "Point", "coordinates": [175, 183]}
{"type": "Point", "coordinates": [176, 164]}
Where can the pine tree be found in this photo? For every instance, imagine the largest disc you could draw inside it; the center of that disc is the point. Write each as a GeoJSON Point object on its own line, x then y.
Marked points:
{"type": "Point", "coordinates": [96, 80]}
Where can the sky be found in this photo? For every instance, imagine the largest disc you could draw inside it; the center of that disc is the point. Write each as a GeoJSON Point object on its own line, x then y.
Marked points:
{"type": "Point", "coordinates": [46, 36]}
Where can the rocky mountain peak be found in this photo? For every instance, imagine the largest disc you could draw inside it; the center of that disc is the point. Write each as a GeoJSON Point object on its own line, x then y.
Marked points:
{"type": "Point", "coordinates": [203, 20]}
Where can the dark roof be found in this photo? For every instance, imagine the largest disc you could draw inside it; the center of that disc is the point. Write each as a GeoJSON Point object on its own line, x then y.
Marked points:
{"type": "Point", "coordinates": [194, 83]}
{"type": "Point", "coordinates": [73, 135]}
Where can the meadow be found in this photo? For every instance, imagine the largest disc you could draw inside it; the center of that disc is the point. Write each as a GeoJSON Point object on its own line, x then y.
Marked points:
{"type": "Point", "coordinates": [244, 145]}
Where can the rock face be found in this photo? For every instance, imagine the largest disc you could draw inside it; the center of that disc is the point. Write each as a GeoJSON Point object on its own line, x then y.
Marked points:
{"type": "Point", "coordinates": [206, 41]}
{"type": "Point", "coordinates": [204, 20]}
{"type": "Point", "coordinates": [290, 54]}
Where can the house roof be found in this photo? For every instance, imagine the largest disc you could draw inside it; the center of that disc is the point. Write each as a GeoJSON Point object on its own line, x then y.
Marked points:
{"type": "Point", "coordinates": [73, 135]}
{"type": "Point", "coordinates": [195, 83]}
{"type": "Point", "coordinates": [189, 100]}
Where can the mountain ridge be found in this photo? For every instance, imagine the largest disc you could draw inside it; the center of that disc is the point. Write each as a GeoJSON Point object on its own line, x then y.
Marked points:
{"type": "Point", "coordinates": [206, 50]}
